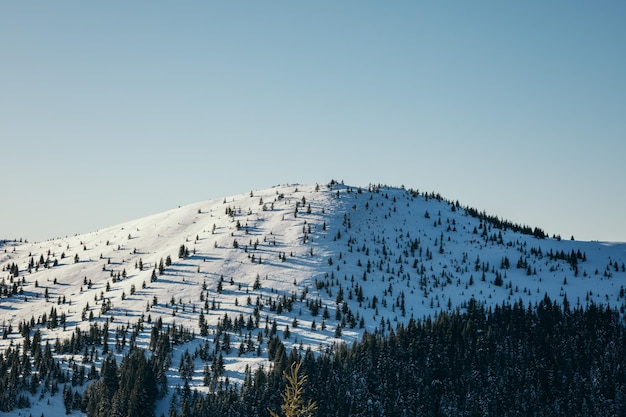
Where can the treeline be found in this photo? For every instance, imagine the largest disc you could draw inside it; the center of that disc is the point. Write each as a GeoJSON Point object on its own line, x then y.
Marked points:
{"type": "Point", "coordinates": [494, 221]}
{"type": "Point", "coordinates": [549, 360]}
{"type": "Point", "coordinates": [498, 223]}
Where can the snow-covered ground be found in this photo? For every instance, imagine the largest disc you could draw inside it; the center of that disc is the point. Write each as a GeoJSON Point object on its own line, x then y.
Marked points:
{"type": "Point", "coordinates": [390, 254]}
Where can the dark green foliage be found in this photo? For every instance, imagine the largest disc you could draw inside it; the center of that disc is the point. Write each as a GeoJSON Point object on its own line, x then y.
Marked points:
{"type": "Point", "coordinates": [514, 360]}
{"type": "Point", "coordinates": [130, 390]}
{"type": "Point", "coordinates": [183, 252]}
{"type": "Point", "coordinates": [257, 282]}
{"type": "Point", "coordinates": [504, 224]}
{"type": "Point", "coordinates": [27, 372]}
{"type": "Point", "coordinates": [203, 325]}
{"type": "Point", "coordinates": [498, 280]}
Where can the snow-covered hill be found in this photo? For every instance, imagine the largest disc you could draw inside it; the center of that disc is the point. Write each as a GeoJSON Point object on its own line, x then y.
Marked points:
{"type": "Point", "coordinates": [318, 263]}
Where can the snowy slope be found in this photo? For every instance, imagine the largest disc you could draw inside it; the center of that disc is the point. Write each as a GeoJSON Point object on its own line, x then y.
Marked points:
{"type": "Point", "coordinates": [379, 255]}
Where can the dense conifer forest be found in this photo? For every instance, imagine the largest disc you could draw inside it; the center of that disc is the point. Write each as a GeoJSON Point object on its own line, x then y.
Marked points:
{"type": "Point", "coordinates": [547, 359]}
{"type": "Point", "coordinates": [514, 360]}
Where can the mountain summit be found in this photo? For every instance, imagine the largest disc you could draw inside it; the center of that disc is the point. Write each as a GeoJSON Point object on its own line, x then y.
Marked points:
{"type": "Point", "coordinates": [316, 265]}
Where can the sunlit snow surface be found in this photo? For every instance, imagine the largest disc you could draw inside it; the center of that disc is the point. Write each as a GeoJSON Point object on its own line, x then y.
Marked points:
{"type": "Point", "coordinates": [398, 246]}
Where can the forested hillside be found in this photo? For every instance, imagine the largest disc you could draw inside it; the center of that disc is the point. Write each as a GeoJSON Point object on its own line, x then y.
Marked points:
{"type": "Point", "coordinates": [399, 302]}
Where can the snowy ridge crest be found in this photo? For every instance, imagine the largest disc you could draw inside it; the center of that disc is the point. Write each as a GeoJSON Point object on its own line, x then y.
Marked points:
{"type": "Point", "coordinates": [316, 264]}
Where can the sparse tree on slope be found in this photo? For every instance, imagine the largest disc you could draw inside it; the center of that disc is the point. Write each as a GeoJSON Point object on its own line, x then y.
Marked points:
{"type": "Point", "coordinates": [293, 404]}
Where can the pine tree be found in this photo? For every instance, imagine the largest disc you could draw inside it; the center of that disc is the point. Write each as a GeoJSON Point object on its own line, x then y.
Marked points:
{"type": "Point", "coordinates": [257, 282]}
{"type": "Point", "coordinates": [68, 398]}
{"type": "Point", "coordinates": [202, 323]}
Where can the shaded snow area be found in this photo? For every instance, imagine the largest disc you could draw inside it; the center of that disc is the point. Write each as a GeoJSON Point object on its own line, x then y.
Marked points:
{"type": "Point", "coordinates": [315, 264]}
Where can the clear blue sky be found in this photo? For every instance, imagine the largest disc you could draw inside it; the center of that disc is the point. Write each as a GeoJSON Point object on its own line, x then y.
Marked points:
{"type": "Point", "coordinates": [111, 111]}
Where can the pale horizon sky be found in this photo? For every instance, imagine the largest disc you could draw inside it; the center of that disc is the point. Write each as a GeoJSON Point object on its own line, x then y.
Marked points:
{"type": "Point", "coordinates": [114, 111]}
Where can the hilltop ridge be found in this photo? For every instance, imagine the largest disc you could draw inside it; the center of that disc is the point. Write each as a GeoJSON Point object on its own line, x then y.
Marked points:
{"type": "Point", "coordinates": [316, 264]}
